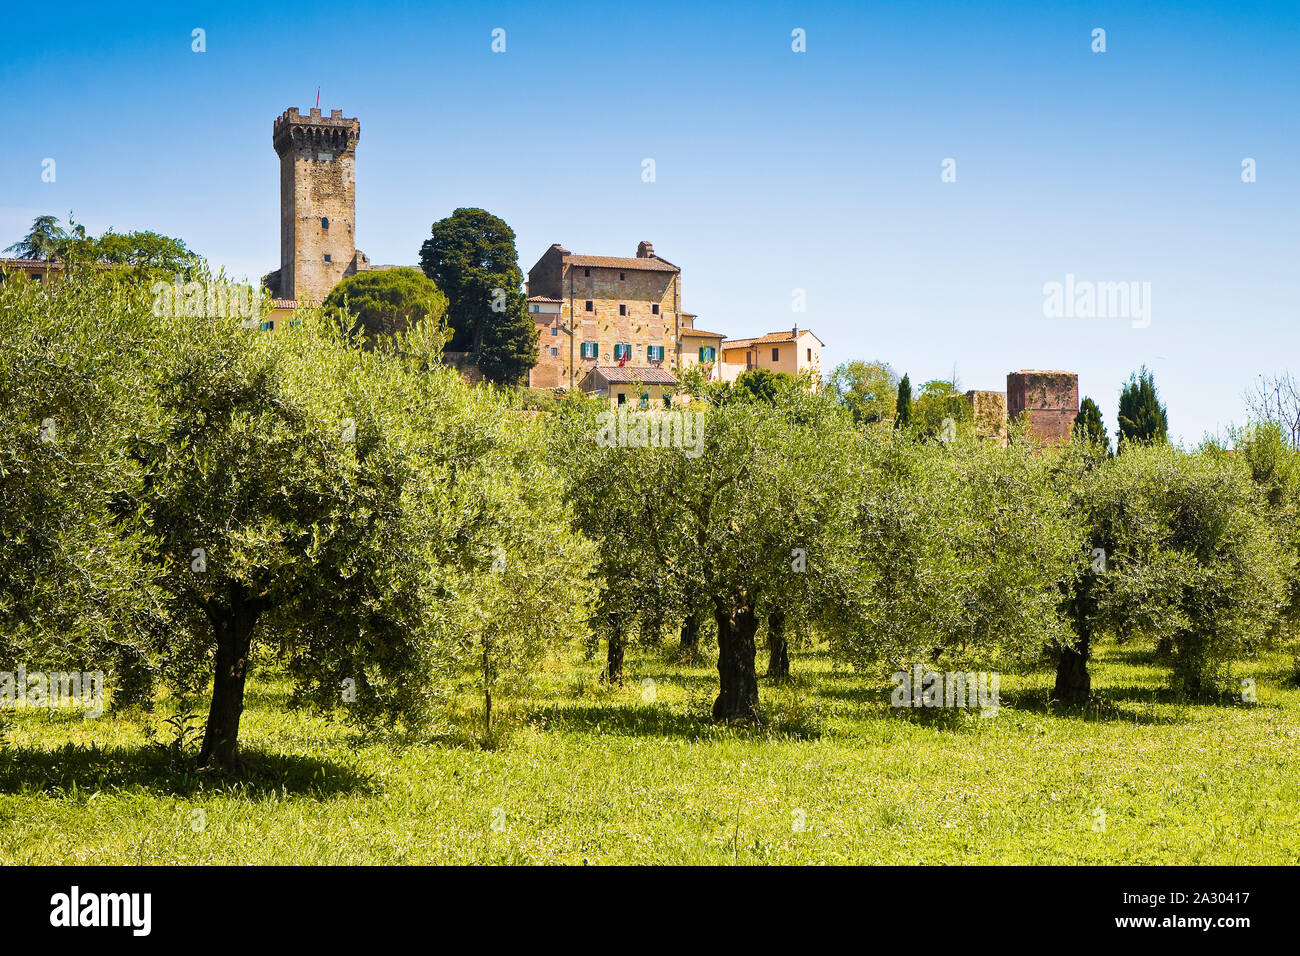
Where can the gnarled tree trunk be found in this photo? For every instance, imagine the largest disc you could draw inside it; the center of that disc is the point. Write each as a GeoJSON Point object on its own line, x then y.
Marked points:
{"type": "Point", "coordinates": [778, 652]}
{"type": "Point", "coordinates": [738, 694]}
{"type": "Point", "coordinates": [234, 632]}
{"type": "Point", "coordinates": [1073, 683]}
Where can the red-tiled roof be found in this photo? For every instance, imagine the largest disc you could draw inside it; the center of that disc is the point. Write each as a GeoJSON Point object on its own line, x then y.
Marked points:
{"type": "Point", "coordinates": [702, 334]}
{"type": "Point", "coordinates": [648, 264]}
{"type": "Point", "coordinates": [644, 374]}
{"type": "Point", "coordinates": [771, 338]}
{"type": "Point", "coordinates": [543, 298]}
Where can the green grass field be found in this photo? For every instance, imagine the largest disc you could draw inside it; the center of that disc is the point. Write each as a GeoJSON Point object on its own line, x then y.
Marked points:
{"type": "Point", "coordinates": [601, 775]}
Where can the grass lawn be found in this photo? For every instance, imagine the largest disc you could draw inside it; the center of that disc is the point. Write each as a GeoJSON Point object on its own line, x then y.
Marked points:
{"type": "Point", "coordinates": [604, 775]}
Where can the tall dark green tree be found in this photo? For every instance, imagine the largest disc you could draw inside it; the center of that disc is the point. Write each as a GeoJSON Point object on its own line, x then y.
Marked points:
{"type": "Point", "coordinates": [471, 256]}
{"type": "Point", "coordinates": [903, 414]}
{"type": "Point", "coordinates": [1141, 416]}
{"type": "Point", "coordinates": [508, 341]}
{"type": "Point", "coordinates": [1089, 426]}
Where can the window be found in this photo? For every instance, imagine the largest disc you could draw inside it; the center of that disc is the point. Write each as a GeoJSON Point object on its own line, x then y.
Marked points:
{"type": "Point", "coordinates": [267, 326]}
{"type": "Point", "coordinates": [810, 355]}
{"type": "Point", "coordinates": [537, 308]}
{"type": "Point", "coordinates": [555, 330]}
{"type": "Point", "coordinates": [668, 401]}
{"type": "Point", "coordinates": [622, 309]}
{"type": "Point", "coordinates": [589, 307]}
{"type": "Point", "coordinates": [655, 353]}
{"type": "Point", "coordinates": [776, 355]}
{"type": "Point", "coordinates": [554, 350]}
{"type": "Point", "coordinates": [622, 350]}
{"type": "Point", "coordinates": [708, 353]}
{"type": "Point", "coordinates": [622, 398]}
{"type": "Point", "coordinates": [586, 272]}
{"type": "Point", "coordinates": [327, 257]}
{"type": "Point", "coordinates": [324, 223]}
{"type": "Point", "coordinates": [645, 399]}
{"type": "Point", "coordinates": [654, 309]}
{"type": "Point", "coordinates": [622, 277]}
{"type": "Point", "coordinates": [590, 350]}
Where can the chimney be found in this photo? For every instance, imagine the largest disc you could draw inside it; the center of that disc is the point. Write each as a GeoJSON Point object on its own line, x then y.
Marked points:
{"type": "Point", "coordinates": [645, 249]}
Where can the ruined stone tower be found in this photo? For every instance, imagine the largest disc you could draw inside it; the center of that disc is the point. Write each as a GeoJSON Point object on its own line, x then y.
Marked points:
{"type": "Point", "coordinates": [1050, 400]}
{"type": "Point", "coordinates": [317, 203]}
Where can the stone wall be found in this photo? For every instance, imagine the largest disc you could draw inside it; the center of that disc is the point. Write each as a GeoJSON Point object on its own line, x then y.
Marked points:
{"type": "Point", "coordinates": [990, 414]}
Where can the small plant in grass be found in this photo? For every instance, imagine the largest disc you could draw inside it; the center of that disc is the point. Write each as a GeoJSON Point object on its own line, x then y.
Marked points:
{"type": "Point", "coordinates": [186, 731]}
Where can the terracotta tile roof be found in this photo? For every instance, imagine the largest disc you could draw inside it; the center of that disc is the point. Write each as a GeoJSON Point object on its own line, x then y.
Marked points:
{"type": "Point", "coordinates": [771, 338]}
{"type": "Point", "coordinates": [290, 304]}
{"type": "Point", "coordinates": [645, 374]}
{"type": "Point", "coordinates": [702, 334]}
{"type": "Point", "coordinates": [543, 298]}
{"type": "Point", "coordinates": [31, 263]}
{"type": "Point", "coordinates": [649, 264]}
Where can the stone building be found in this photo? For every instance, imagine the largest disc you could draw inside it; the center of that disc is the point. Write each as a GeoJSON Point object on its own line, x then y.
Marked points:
{"type": "Point", "coordinates": [317, 204]}
{"type": "Point", "coordinates": [604, 312]}
{"type": "Point", "coordinates": [1048, 399]}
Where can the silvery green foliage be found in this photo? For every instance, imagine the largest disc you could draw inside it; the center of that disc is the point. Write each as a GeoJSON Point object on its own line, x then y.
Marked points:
{"type": "Point", "coordinates": [959, 555]}
{"type": "Point", "coordinates": [1192, 559]}
{"type": "Point", "coordinates": [362, 553]}
{"type": "Point", "coordinates": [74, 362]}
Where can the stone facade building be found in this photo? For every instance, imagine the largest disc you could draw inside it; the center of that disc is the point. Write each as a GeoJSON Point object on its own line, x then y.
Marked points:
{"type": "Point", "coordinates": [606, 312]}
{"type": "Point", "coordinates": [317, 204]}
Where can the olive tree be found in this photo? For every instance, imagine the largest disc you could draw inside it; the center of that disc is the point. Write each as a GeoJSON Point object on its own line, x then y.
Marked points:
{"type": "Point", "coordinates": [1189, 557]}
{"type": "Point", "coordinates": [960, 550]}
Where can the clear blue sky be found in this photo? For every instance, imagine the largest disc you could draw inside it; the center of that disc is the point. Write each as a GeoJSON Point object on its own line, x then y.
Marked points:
{"type": "Point", "coordinates": [775, 170]}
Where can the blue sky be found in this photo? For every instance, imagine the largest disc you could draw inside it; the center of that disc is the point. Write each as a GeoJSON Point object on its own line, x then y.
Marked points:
{"type": "Point", "coordinates": [775, 170]}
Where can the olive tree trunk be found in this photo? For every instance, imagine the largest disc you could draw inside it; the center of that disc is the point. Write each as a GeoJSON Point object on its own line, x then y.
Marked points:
{"type": "Point", "coordinates": [778, 652]}
{"type": "Point", "coordinates": [738, 683]}
{"type": "Point", "coordinates": [614, 656]}
{"type": "Point", "coordinates": [690, 636]}
{"type": "Point", "coordinates": [234, 633]}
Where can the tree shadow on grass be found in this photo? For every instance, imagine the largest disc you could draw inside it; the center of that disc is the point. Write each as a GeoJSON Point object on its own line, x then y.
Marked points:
{"type": "Point", "coordinates": [263, 775]}
{"type": "Point", "coordinates": [653, 720]}
{"type": "Point", "coordinates": [1123, 704]}
{"type": "Point", "coordinates": [623, 720]}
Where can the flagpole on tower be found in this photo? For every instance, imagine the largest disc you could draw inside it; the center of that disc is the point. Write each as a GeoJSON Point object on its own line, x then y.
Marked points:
{"type": "Point", "coordinates": [318, 97]}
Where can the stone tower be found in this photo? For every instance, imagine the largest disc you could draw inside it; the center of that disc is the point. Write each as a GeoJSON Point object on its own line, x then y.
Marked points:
{"type": "Point", "coordinates": [317, 202]}
{"type": "Point", "coordinates": [1050, 400]}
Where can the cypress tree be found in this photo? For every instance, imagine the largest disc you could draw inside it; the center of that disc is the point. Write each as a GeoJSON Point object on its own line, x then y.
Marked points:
{"type": "Point", "coordinates": [903, 416]}
{"type": "Point", "coordinates": [1141, 416]}
{"type": "Point", "coordinates": [1089, 426]}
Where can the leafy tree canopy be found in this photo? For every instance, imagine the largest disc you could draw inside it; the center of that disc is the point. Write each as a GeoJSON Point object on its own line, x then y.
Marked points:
{"type": "Point", "coordinates": [386, 301]}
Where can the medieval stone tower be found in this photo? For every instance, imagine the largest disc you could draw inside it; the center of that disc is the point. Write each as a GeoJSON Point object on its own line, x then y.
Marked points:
{"type": "Point", "coordinates": [317, 203]}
